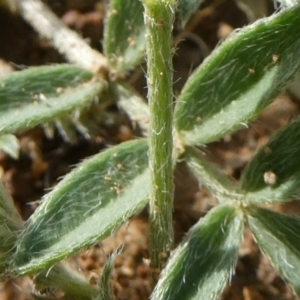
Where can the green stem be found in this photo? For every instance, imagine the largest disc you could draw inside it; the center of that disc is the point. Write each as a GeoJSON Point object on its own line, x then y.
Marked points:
{"type": "Point", "coordinates": [63, 277]}
{"type": "Point", "coordinates": [220, 184]}
{"type": "Point", "coordinates": [159, 18]}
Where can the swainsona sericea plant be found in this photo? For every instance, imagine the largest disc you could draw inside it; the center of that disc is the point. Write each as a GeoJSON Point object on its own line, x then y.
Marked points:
{"type": "Point", "coordinates": [229, 89]}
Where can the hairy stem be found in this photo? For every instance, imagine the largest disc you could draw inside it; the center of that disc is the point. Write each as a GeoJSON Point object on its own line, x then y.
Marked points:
{"type": "Point", "coordinates": [66, 41]}
{"type": "Point", "coordinates": [159, 20]}
{"type": "Point", "coordinates": [75, 49]}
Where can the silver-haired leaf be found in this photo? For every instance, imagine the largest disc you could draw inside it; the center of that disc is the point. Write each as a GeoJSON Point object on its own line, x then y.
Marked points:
{"type": "Point", "coordinates": [124, 34]}
{"type": "Point", "coordinates": [239, 78]}
{"type": "Point", "coordinates": [203, 263]}
{"type": "Point", "coordinates": [41, 94]}
{"type": "Point", "coordinates": [9, 144]}
{"type": "Point", "coordinates": [273, 174]}
{"type": "Point", "coordinates": [278, 236]}
{"type": "Point", "coordinates": [11, 224]}
{"type": "Point", "coordinates": [86, 206]}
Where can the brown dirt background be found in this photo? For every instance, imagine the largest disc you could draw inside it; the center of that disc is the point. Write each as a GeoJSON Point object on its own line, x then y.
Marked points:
{"type": "Point", "coordinates": [43, 160]}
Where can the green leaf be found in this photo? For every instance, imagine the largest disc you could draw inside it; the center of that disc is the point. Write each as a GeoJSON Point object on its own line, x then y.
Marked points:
{"type": "Point", "coordinates": [10, 145]}
{"type": "Point", "coordinates": [187, 8]}
{"type": "Point", "coordinates": [239, 79]}
{"type": "Point", "coordinates": [105, 282]}
{"type": "Point", "coordinates": [207, 174]}
{"type": "Point", "coordinates": [86, 206]}
{"type": "Point", "coordinates": [124, 34]}
{"type": "Point", "coordinates": [274, 172]}
{"type": "Point", "coordinates": [202, 265]}
{"type": "Point", "coordinates": [10, 225]}
{"type": "Point", "coordinates": [40, 94]}
{"type": "Point", "coordinates": [278, 236]}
